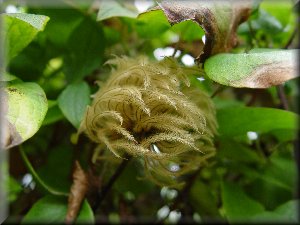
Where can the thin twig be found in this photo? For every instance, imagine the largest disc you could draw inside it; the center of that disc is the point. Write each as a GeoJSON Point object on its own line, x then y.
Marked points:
{"type": "Point", "coordinates": [218, 90]}
{"type": "Point", "coordinates": [279, 88]}
{"type": "Point", "coordinates": [182, 197]}
{"type": "Point", "coordinates": [282, 97]}
{"type": "Point", "coordinates": [252, 35]}
{"type": "Point", "coordinates": [252, 99]}
{"type": "Point", "coordinates": [102, 194]}
{"type": "Point", "coordinates": [36, 176]}
{"type": "Point", "coordinates": [289, 42]}
{"type": "Point", "coordinates": [175, 50]}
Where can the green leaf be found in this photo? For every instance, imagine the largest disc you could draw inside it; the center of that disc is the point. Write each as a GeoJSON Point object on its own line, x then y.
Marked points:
{"type": "Point", "coordinates": [253, 69]}
{"type": "Point", "coordinates": [265, 192]}
{"type": "Point", "coordinates": [129, 181]}
{"type": "Point", "coordinates": [7, 77]}
{"type": "Point", "coordinates": [56, 172]}
{"type": "Point", "coordinates": [73, 102]}
{"type": "Point", "coordinates": [266, 22]}
{"type": "Point", "coordinates": [284, 135]}
{"type": "Point", "coordinates": [25, 106]}
{"type": "Point", "coordinates": [224, 103]}
{"type": "Point", "coordinates": [235, 152]}
{"type": "Point", "coordinates": [112, 8]}
{"type": "Point", "coordinates": [53, 209]}
{"type": "Point", "coordinates": [238, 207]}
{"type": "Point", "coordinates": [112, 35]}
{"type": "Point", "coordinates": [54, 113]}
{"type": "Point", "coordinates": [188, 30]}
{"type": "Point", "coordinates": [63, 22]}
{"type": "Point", "coordinates": [29, 65]}
{"type": "Point", "coordinates": [20, 29]}
{"type": "Point", "coordinates": [274, 24]}
{"type": "Point", "coordinates": [285, 214]}
{"type": "Point", "coordinates": [152, 24]}
{"type": "Point", "coordinates": [281, 171]}
{"type": "Point", "coordinates": [275, 181]}
{"type": "Point", "coordinates": [203, 200]}
{"type": "Point", "coordinates": [281, 10]}
{"type": "Point", "coordinates": [86, 47]}
{"type": "Point", "coordinates": [234, 121]}
{"type": "Point", "coordinates": [14, 189]}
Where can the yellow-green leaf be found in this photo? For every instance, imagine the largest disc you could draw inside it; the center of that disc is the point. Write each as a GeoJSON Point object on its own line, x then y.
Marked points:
{"type": "Point", "coordinates": [20, 29]}
{"type": "Point", "coordinates": [234, 121]}
{"type": "Point", "coordinates": [53, 209]}
{"type": "Point", "coordinates": [256, 69]}
{"type": "Point", "coordinates": [25, 106]}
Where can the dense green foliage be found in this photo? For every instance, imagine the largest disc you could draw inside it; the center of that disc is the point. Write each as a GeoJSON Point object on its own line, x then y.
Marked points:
{"type": "Point", "coordinates": [54, 56]}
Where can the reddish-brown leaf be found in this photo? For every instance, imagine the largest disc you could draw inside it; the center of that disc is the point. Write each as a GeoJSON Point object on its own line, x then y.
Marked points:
{"type": "Point", "coordinates": [77, 193]}
{"type": "Point", "coordinates": [219, 20]}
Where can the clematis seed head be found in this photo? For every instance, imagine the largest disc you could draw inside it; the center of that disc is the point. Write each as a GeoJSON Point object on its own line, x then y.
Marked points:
{"type": "Point", "coordinates": [150, 111]}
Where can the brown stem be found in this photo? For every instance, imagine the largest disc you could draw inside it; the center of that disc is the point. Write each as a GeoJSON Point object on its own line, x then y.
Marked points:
{"type": "Point", "coordinates": [279, 88]}
{"type": "Point", "coordinates": [183, 194]}
{"type": "Point", "coordinates": [252, 34]}
{"type": "Point", "coordinates": [252, 99]}
{"type": "Point", "coordinates": [102, 193]}
{"type": "Point", "coordinates": [282, 97]}
{"type": "Point", "coordinates": [175, 50]}
{"type": "Point", "coordinates": [289, 42]}
{"type": "Point", "coordinates": [218, 90]}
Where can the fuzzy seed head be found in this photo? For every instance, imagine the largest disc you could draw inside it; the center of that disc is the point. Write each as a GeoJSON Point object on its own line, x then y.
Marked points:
{"type": "Point", "coordinates": [147, 110]}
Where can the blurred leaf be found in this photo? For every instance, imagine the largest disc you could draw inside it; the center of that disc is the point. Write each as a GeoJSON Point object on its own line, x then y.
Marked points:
{"type": "Point", "coordinates": [62, 23]}
{"type": "Point", "coordinates": [53, 209]}
{"type": "Point", "coordinates": [7, 77]}
{"type": "Point", "coordinates": [188, 30]}
{"type": "Point", "coordinates": [152, 24]}
{"type": "Point", "coordinates": [234, 121]}
{"type": "Point", "coordinates": [73, 102]}
{"type": "Point", "coordinates": [203, 200]}
{"type": "Point", "coordinates": [112, 36]}
{"type": "Point", "coordinates": [14, 189]}
{"type": "Point", "coordinates": [274, 24]}
{"type": "Point", "coordinates": [129, 181]}
{"type": "Point", "coordinates": [25, 107]}
{"type": "Point", "coordinates": [280, 171]}
{"type": "Point", "coordinates": [284, 12]}
{"type": "Point", "coordinates": [54, 113]}
{"type": "Point", "coordinates": [113, 8]}
{"type": "Point", "coordinates": [286, 213]}
{"type": "Point", "coordinates": [20, 29]}
{"type": "Point", "coordinates": [280, 10]}
{"type": "Point", "coordinates": [265, 192]}
{"type": "Point", "coordinates": [236, 152]}
{"type": "Point", "coordinates": [223, 103]}
{"type": "Point", "coordinates": [86, 47]}
{"type": "Point", "coordinates": [253, 70]}
{"type": "Point", "coordinates": [29, 64]}
{"type": "Point", "coordinates": [55, 172]}
{"type": "Point", "coordinates": [284, 135]}
{"type": "Point", "coordinates": [266, 22]}
{"type": "Point", "coordinates": [237, 205]}
{"type": "Point", "coordinates": [219, 20]}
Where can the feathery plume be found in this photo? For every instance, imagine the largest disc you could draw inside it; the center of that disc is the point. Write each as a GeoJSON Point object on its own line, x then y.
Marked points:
{"type": "Point", "coordinates": [148, 110]}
